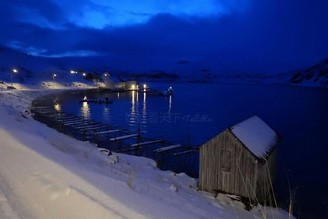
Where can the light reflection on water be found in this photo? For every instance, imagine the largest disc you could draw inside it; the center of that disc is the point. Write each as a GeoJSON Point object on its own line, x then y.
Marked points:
{"type": "Point", "coordinates": [170, 103]}
{"type": "Point", "coordinates": [106, 113]}
{"type": "Point", "coordinates": [85, 110]}
{"type": "Point", "coordinates": [144, 110]}
{"type": "Point", "coordinates": [133, 117]}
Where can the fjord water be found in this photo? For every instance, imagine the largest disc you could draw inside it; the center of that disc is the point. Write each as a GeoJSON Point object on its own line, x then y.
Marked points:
{"type": "Point", "coordinates": [197, 112]}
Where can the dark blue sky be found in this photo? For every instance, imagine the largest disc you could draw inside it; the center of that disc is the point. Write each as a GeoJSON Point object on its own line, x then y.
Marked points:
{"type": "Point", "coordinates": [222, 35]}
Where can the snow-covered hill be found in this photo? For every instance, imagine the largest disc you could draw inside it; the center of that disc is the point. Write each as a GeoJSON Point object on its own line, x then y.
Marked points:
{"type": "Point", "coordinates": [45, 174]}
{"type": "Point", "coordinates": [315, 76]}
{"type": "Point", "coordinates": [25, 71]}
{"type": "Point", "coordinates": [28, 66]}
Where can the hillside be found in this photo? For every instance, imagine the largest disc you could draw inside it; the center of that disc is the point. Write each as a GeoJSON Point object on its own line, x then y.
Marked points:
{"type": "Point", "coordinates": [45, 174]}
{"type": "Point", "coordinates": [316, 75]}
{"type": "Point", "coordinates": [36, 70]}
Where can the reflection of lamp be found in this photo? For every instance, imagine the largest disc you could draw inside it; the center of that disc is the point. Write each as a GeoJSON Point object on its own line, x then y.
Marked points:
{"type": "Point", "coordinates": [133, 98]}
{"type": "Point", "coordinates": [85, 109]}
{"type": "Point", "coordinates": [170, 103]}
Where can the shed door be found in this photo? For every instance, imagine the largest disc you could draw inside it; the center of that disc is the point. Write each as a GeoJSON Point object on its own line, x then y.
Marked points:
{"type": "Point", "coordinates": [226, 157]}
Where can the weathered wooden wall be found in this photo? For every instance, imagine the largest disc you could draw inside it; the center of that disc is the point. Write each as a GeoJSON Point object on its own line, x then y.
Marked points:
{"type": "Point", "coordinates": [227, 166]}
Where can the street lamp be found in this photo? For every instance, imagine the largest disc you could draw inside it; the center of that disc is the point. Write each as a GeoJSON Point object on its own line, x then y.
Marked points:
{"type": "Point", "coordinates": [53, 77]}
{"type": "Point", "coordinates": [14, 70]}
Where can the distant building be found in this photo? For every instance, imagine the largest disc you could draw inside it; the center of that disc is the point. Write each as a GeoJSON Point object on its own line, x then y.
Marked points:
{"type": "Point", "coordinates": [109, 84]}
{"type": "Point", "coordinates": [126, 85]}
{"type": "Point", "coordinates": [240, 161]}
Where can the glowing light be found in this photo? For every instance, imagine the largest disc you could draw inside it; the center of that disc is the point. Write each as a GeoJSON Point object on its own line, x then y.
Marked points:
{"type": "Point", "coordinates": [85, 98]}
{"type": "Point", "coordinates": [84, 74]}
{"type": "Point", "coordinates": [57, 107]}
{"type": "Point", "coordinates": [73, 72]}
{"type": "Point", "coordinates": [53, 77]}
{"type": "Point", "coordinates": [145, 86]}
{"type": "Point", "coordinates": [133, 87]}
{"type": "Point", "coordinates": [14, 70]}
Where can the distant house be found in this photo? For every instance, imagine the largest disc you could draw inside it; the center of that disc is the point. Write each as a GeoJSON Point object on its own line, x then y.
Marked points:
{"type": "Point", "coordinates": [240, 161]}
{"type": "Point", "coordinates": [126, 85]}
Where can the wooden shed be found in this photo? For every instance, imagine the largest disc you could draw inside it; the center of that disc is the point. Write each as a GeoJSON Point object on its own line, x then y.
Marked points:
{"type": "Point", "coordinates": [240, 161]}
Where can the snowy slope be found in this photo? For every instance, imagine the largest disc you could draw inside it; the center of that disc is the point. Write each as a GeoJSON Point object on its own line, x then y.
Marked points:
{"type": "Point", "coordinates": [314, 76]}
{"type": "Point", "coordinates": [45, 174]}
{"type": "Point", "coordinates": [29, 67]}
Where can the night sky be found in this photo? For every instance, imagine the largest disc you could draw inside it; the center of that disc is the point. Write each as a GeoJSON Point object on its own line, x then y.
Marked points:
{"type": "Point", "coordinates": [224, 35]}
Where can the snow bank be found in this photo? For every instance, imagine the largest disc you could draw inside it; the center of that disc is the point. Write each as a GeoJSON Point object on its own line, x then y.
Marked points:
{"type": "Point", "coordinates": [45, 174]}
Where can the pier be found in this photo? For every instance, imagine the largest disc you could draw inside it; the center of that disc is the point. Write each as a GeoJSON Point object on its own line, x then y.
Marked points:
{"type": "Point", "coordinates": [168, 155]}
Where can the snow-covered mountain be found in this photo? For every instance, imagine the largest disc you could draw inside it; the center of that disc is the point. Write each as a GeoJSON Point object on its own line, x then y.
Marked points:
{"type": "Point", "coordinates": [316, 75]}
{"type": "Point", "coordinates": [35, 69]}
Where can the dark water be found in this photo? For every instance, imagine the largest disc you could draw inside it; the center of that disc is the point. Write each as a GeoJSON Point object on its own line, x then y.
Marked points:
{"type": "Point", "coordinates": [197, 112]}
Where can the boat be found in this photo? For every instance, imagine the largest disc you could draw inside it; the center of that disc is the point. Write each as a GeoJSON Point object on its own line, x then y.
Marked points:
{"type": "Point", "coordinates": [101, 101]}
{"type": "Point", "coordinates": [169, 92]}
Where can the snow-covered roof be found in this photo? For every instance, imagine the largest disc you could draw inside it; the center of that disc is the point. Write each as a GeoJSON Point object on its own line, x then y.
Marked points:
{"type": "Point", "coordinates": [256, 135]}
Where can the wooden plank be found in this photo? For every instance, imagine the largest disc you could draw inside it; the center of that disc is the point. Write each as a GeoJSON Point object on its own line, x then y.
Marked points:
{"type": "Point", "coordinates": [75, 122]}
{"type": "Point", "coordinates": [87, 127]}
{"type": "Point", "coordinates": [168, 148]}
{"type": "Point", "coordinates": [40, 107]}
{"type": "Point", "coordinates": [183, 152]}
{"type": "Point", "coordinates": [123, 137]}
{"type": "Point", "coordinates": [106, 132]}
{"type": "Point", "coordinates": [68, 118]}
{"type": "Point", "coordinates": [52, 116]}
{"type": "Point", "coordinates": [95, 128]}
{"type": "Point", "coordinates": [46, 112]}
{"type": "Point", "coordinates": [146, 143]}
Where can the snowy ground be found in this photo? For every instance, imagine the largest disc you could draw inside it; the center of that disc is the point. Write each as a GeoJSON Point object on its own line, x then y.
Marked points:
{"type": "Point", "coordinates": [45, 174]}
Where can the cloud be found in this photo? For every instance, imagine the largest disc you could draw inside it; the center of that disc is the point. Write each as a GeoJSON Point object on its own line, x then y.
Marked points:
{"type": "Point", "coordinates": [101, 13]}
{"type": "Point", "coordinates": [241, 34]}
